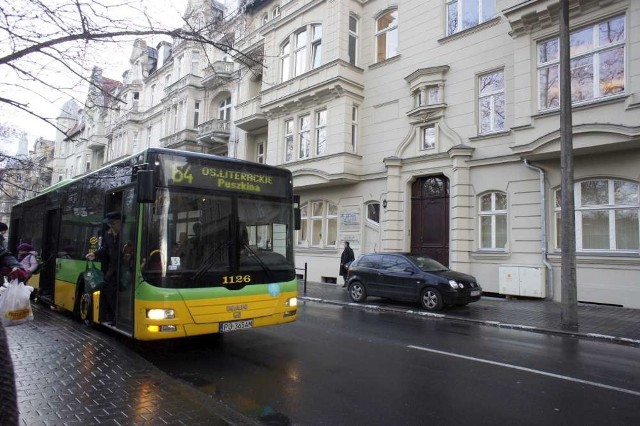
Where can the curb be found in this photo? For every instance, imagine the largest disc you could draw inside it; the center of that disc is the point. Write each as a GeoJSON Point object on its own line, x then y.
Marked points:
{"type": "Point", "coordinates": [368, 307]}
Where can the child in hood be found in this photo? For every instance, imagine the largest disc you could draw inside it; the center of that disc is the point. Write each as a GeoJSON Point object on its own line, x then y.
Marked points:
{"type": "Point", "coordinates": [28, 258]}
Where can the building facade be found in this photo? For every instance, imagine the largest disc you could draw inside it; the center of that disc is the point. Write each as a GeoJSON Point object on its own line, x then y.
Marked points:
{"type": "Point", "coordinates": [430, 126]}
{"type": "Point", "coordinates": [433, 126]}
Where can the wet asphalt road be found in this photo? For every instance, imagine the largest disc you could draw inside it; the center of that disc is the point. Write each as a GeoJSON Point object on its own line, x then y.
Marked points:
{"type": "Point", "coordinates": [341, 366]}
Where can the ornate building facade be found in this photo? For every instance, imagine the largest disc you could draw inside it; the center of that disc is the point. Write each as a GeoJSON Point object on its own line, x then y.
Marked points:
{"type": "Point", "coordinates": [416, 125]}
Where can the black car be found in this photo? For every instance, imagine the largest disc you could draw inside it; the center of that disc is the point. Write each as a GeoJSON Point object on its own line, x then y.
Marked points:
{"type": "Point", "coordinates": [410, 277]}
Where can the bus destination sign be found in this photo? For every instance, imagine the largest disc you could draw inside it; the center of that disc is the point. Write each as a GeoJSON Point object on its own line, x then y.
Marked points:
{"type": "Point", "coordinates": [222, 177]}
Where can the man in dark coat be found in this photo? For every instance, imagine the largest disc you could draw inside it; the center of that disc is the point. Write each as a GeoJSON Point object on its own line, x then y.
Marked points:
{"type": "Point", "coordinates": [107, 254]}
{"type": "Point", "coordinates": [346, 258]}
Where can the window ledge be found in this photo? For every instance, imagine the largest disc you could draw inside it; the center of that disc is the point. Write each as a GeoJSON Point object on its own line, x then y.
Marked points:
{"type": "Point", "coordinates": [490, 135]}
{"type": "Point", "coordinates": [385, 62]}
{"type": "Point", "coordinates": [490, 254]}
{"type": "Point", "coordinates": [315, 250]}
{"type": "Point", "coordinates": [491, 22]}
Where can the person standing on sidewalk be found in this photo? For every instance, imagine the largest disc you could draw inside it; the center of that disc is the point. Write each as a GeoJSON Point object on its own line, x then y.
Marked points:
{"type": "Point", "coordinates": [346, 258]}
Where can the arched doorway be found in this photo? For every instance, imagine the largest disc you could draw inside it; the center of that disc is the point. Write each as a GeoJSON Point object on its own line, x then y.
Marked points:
{"type": "Point", "coordinates": [430, 217]}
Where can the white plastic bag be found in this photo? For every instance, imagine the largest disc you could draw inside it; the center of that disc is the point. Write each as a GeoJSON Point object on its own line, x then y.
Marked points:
{"type": "Point", "coordinates": [15, 306]}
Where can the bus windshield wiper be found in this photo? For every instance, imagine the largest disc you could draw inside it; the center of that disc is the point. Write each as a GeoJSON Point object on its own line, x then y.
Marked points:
{"type": "Point", "coordinates": [262, 264]}
{"type": "Point", "coordinates": [209, 261]}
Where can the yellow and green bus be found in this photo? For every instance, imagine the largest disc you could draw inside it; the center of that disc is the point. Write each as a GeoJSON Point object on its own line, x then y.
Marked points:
{"type": "Point", "coordinates": [206, 244]}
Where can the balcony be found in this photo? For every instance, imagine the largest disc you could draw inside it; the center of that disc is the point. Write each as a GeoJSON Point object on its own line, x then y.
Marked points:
{"type": "Point", "coordinates": [251, 115]}
{"type": "Point", "coordinates": [188, 80]}
{"type": "Point", "coordinates": [214, 131]}
{"type": "Point", "coordinates": [217, 74]}
{"type": "Point", "coordinates": [181, 137]}
{"type": "Point", "coordinates": [326, 171]}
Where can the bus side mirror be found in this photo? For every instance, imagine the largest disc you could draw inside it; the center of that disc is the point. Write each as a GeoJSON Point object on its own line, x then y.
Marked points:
{"type": "Point", "coordinates": [145, 186]}
{"type": "Point", "coordinates": [296, 218]}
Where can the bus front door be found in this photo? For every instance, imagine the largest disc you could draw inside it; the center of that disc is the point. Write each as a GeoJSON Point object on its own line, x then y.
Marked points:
{"type": "Point", "coordinates": [124, 201]}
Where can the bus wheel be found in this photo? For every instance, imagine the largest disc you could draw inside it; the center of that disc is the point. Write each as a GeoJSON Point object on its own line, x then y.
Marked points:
{"type": "Point", "coordinates": [86, 308]}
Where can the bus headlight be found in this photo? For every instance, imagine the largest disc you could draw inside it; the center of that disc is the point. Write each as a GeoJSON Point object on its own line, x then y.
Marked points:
{"type": "Point", "coordinates": [291, 302]}
{"type": "Point", "coordinates": [160, 314]}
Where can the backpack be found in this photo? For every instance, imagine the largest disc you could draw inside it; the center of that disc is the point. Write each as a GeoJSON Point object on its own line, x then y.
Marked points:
{"type": "Point", "coordinates": [40, 265]}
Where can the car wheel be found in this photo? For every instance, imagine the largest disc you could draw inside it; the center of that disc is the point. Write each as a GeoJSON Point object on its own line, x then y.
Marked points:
{"type": "Point", "coordinates": [357, 292]}
{"type": "Point", "coordinates": [431, 299]}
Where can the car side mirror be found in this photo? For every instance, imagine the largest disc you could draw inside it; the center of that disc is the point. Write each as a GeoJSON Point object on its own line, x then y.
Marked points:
{"type": "Point", "coordinates": [410, 270]}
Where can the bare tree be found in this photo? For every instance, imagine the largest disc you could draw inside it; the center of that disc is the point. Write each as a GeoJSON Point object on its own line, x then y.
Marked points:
{"type": "Point", "coordinates": [44, 40]}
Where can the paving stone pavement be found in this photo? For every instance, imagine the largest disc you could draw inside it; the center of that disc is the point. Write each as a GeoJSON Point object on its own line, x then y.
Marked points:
{"type": "Point", "coordinates": [71, 374]}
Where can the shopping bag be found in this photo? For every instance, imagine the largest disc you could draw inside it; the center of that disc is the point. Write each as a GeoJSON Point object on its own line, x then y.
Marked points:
{"type": "Point", "coordinates": [15, 303]}
{"type": "Point", "coordinates": [93, 278]}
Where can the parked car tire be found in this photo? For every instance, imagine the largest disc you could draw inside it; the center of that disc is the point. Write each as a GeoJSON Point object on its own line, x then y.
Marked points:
{"type": "Point", "coordinates": [357, 292]}
{"type": "Point", "coordinates": [431, 299]}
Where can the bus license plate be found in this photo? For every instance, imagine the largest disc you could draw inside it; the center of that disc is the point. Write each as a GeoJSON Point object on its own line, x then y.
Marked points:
{"type": "Point", "coordinates": [235, 325]}
{"type": "Point", "coordinates": [475, 293]}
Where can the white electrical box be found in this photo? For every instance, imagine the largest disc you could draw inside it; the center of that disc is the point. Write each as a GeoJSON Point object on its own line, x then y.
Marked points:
{"type": "Point", "coordinates": [526, 281]}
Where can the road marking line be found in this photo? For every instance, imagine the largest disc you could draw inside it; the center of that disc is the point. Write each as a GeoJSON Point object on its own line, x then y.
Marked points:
{"type": "Point", "coordinates": [529, 370]}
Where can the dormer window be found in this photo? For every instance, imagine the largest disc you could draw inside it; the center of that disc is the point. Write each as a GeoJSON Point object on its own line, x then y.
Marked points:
{"type": "Point", "coordinates": [276, 12]}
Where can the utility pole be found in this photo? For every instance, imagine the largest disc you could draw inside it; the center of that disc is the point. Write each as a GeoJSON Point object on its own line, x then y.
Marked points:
{"type": "Point", "coordinates": [569, 311]}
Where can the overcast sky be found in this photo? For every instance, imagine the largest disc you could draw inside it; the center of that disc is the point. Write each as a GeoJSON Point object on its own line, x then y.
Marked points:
{"type": "Point", "coordinates": [114, 61]}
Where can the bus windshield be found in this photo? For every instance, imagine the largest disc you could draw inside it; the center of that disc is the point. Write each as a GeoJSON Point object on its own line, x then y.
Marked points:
{"type": "Point", "coordinates": [196, 240]}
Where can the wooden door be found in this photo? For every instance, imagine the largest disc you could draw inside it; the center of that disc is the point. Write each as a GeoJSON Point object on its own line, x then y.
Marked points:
{"type": "Point", "coordinates": [430, 217]}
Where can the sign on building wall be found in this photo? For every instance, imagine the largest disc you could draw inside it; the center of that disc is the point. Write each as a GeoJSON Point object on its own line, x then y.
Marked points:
{"type": "Point", "coordinates": [350, 227]}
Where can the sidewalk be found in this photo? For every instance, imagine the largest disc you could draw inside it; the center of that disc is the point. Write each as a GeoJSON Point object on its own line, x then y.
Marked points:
{"type": "Point", "coordinates": [71, 374]}
{"type": "Point", "coordinates": [613, 324]}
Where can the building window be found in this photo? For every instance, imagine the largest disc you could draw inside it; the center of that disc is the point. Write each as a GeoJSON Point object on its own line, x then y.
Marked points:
{"type": "Point", "coordinates": [153, 92]}
{"type": "Point", "coordinates": [319, 224]}
{"type": "Point", "coordinates": [321, 131]}
{"type": "Point", "coordinates": [428, 137]}
{"type": "Point", "coordinates": [288, 140]}
{"type": "Point", "coordinates": [265, 18]}
{"type": "Point", "coordinates": [597, 64]}
{"type": "Point", "coordinates": [196, 114]}
{"type": "Point", "coordinates": [387, 36]}
{"type": "Point", "coordinates": [607, 213]}
{"type": "Point", "coordinates": [300, 53]}
{"type": "Point", "coordinates": [491, 102]}
{"type": "Point", "coordinates": [373, 213]}
{"type": "Point", "coordinates": [464, 14]}
{"type": "Point", "coordinates": [304, 136]}
{"type": "Point", "coordinates": [353, 40]}
{"type": "Point", "coordinates": [354, 128]}
{"type": "Point", "coordinates": [224, 109]}
{"type": "Point", "coordinates": [285, 61]}
{"type": "Point", "coordinates": [195, 62]}
{"type": "Point", "coordinates": [302, 44]}
{"type": "Point", "coordinates": [276, 11]}
{"type": "Point", "coordinates": [493, 221]}
{"type": "Point", "coordinates": [260, 152]}
{"type": "Point", "coordinates": [316, 46]}
{"type": "Point", "coordinates": [179, 67]}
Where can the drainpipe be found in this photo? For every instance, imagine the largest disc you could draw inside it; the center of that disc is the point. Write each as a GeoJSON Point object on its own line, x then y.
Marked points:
{"type": "Point", "coordinates": [543, 230]}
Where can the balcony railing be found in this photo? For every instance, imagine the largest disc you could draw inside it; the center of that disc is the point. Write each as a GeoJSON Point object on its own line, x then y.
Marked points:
{"type": "Point", "coordinates": [187, 80]}
{"type": "Point", "coordinates": [218, 73]}
{"type": "Point", "coordinates": [214, 131]}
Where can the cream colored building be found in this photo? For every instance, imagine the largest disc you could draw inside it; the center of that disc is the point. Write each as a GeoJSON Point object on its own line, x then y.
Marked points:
{"type": "Point", "coordinates": [433, 125]}
{"type": "Point", "coordinates": [418, 125]}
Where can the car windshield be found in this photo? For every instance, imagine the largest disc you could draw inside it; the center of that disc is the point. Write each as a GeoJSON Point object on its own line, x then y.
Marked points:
{"type": "Point", "coordinates": [195, 240]}
{"type": "Point", "coordinates": [427, 264]}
